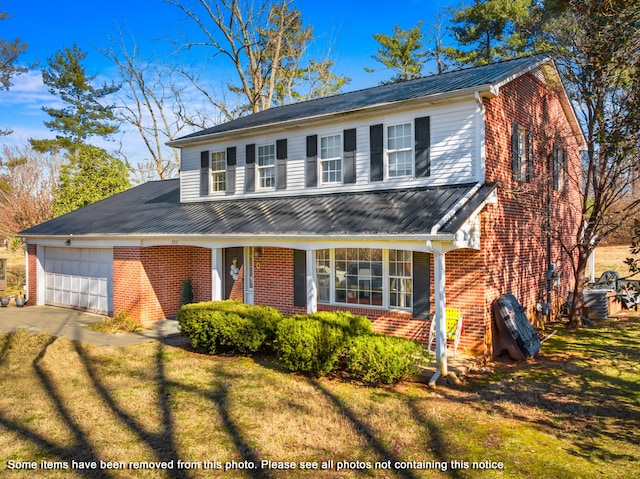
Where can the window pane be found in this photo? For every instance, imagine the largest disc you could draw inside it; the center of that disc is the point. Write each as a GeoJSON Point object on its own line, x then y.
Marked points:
{"type": "Point", "coordinates": [218, 171]}
{"type": "Point", "coordinates": [399, 150]}
{"type": "Point", "coordinates": [266, 155]}
{"type": "Point", "coordinates": [400, 279]}
{"type": "Point", "coordinates": [323, 275]}
{"type": "Point", "coordinates": [360, 282]}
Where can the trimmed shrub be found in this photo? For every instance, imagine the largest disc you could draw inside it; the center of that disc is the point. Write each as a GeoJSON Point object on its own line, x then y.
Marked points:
{"type": "Point", "coordinates": [309, 345]}
{"type": "Point", "coordinates": [345, 320]}
{"type": "Point", "coordinates": [313, 343]}
{"type": "Point", "coordinates": [228, 325]}
{"type": "Point", "coordinates": [379, 359]}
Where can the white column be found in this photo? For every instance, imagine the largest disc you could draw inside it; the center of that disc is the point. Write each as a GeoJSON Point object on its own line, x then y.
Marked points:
{"type": "Point", "coordinates": [439, 273]}
{"type": "Point", "coordinates": [40, 276]}
{"type": "Point", "coordinates": [312, 291]}
{"type": "Point", "coordinates": [217, 293]}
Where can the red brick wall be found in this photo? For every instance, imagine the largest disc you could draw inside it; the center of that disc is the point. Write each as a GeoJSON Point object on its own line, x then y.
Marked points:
{"type": "Point", "coordinates": [32, 291]}
{"type": "Point", "coordinates": [147, 282]}
{"type": "Point", "coordinates": [273, 275]}
{"type": "Point", "coordinates": [514, 243]}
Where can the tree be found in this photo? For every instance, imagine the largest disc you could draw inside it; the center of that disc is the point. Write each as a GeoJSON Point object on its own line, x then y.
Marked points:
{"type": "Point", "coordinates": [402, 52]}
{"type": "Point", "coordinates": [149, 95]}
{"type": "Point", "coordinates": [265, 44]}
{"type": "Point", "coordinates": [90, 174]}
{"type": "Point", "coordinates": [26, 184]}
{"type": "Point", "coordinates": [84, 116]}
{"type": "Point", "coordinates": [597, 50]}
{"type": "Point", "coordinates": [10, 50]}
{"type": "Point", "coordinates": [490, 31]}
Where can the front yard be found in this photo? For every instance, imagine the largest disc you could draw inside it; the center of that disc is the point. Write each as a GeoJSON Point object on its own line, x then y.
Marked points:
{"type": "Point", "coordinates": [154, 410]}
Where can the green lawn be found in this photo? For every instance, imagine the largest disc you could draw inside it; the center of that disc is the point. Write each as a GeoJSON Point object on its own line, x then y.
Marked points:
{"type": "Point", "coordinates": [574, 412]}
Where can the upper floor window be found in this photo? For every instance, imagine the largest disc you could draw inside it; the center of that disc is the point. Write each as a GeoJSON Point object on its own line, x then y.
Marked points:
{"type": "Point", "coordinates": [267, 166]}
{"type": "Point", "coordinates": [218, 171]}
{"type": "Point", "coordinates": [560, 178]}
{"type": "Point", "coordinates": [331, 159]}
{"type": "Point", "coordinates": [522, 154]}
{"type": "Point", "coordinates": [399, 150]}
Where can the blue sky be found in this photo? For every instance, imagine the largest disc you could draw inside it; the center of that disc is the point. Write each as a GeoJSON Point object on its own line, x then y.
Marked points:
{"type": "Point", "coordinates": [49, 25]}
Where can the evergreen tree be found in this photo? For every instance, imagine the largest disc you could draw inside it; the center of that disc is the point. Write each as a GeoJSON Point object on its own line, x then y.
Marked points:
{"type": "Point", "coordinates": [9, 52]}
{"type": "Point", "coordinates": [401, 52]}
{"type": "Point", "coordinates": [84, 116]}
{"type": "Point", "coordinates": [490, 31]}
{"type": "Point", "coordinates": [90, 174]}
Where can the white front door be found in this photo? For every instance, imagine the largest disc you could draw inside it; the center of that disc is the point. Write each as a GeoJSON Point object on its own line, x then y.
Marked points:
{"type": "Point", "coordinates": [248, 274]}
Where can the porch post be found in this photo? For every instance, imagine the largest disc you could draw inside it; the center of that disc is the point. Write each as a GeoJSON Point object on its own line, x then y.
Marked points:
{"type": "Point", "coordinates": [439, 274]}
{"type": "Point", "coordinates": [216, 274]}
{"type": "Point", "coordinates": [312, 292]}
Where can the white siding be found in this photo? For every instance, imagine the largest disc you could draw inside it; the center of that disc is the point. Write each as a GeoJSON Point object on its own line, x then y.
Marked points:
{"type": "Point", "coordinates": [455, 154]}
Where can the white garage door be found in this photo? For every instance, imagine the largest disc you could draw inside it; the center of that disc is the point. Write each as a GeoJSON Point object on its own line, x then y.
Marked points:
{"type": "Point", "coordinates": [79, 278]}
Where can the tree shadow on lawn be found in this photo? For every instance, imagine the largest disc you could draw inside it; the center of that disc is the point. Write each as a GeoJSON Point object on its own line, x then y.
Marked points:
{"type": "Point", "coordinates": [576, 387]}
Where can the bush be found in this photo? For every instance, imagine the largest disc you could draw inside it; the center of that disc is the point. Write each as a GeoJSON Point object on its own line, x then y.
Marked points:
{"type": "Point", "coordinates": [228, 325]}
{"type": "Point", "coordinates": [377, 359]}
{"type": "Point", "coordinates": [309, 345]}
{"type": "Point", "coordinates": [119, 324]}
{"type": "Point", "coordinates": [313, 343]}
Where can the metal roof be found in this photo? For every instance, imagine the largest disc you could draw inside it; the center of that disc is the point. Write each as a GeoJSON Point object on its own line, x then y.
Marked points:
{"type": "Point", "coordinates": [154, 208]}
{"type": "Point", "coordinates": [469, 78]}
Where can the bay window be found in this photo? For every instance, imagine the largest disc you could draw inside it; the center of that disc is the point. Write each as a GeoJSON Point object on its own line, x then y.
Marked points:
{"type": "Point", "coordinates": [365, 276]}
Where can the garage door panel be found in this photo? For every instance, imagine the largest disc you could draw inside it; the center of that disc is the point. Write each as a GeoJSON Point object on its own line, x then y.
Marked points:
{"type": "Point", "coordinates": [79, 278]}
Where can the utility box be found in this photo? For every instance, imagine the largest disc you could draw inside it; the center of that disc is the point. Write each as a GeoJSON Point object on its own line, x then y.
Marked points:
{"type": "Point", "coordinates": [3, 273]}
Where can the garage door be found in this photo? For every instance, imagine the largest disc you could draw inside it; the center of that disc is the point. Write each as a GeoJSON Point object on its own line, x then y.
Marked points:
{"type": "Point", "coordinates": [79, 278]}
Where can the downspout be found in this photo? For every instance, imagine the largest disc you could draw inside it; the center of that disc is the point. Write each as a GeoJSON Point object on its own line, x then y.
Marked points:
{"type": "Point", "coordinates": [439, 250]}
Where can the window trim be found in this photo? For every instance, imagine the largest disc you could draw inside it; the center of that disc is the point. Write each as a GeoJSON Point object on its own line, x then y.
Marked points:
{"type": "Point", "coordinates": [388, 151]}
{"type": "Point", "coordinates": [386, 281]}
{"type": "Point", "coordinates": [213, 172]}
{"type": "Point", "coordinates": [322, 161]}
{"type": "Point", "coordinates": [262, 168]}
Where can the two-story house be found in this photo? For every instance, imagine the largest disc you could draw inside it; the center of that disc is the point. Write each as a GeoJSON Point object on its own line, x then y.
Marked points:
{"type": "Point", "coordinates": [392, 202]}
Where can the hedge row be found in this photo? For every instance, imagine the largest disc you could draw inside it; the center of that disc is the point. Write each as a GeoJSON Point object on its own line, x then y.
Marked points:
{"type": "Point", "coordinates": [316, 343]}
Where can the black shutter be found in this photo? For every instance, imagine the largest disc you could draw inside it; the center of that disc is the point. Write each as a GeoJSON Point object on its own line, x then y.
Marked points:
{"type": "Point", "coordinates": [565, 170]}
{"type": "Point", "coordinates": [231, 169]}
{"type": "Point", "coordinates": [531, 172]}
{"type": "Point", "coordinates": [349, 167]}
{"type": "Point", "coordinates": [556, 167]}
{"type": "Point", "coordinates": [376, 150]}
{"type": "Point", "coordinates": [204, 173]}
{"type": "Point", "coordinates": [250, 169]}
{"type": "Point", "coordinates": [423, 147]}
{"type": "Point", "coordinates": [311, 168]}
{"type": "Point", "coordinates": [515, 157]}
{"type": "Point", "coordinates": [281, 164]}
{"type": "Point", "coordinates": [299, 278]}
{"type": "Point", "coordinates": [421, 286]}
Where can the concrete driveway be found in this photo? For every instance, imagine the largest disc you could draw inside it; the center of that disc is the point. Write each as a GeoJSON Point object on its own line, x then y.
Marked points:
{"type": "Point", "coordinates": [71, 324]}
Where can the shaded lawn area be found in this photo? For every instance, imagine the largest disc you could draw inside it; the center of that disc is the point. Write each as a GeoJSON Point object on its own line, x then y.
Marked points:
{"type": "Point", "coordinates": [573, 412]}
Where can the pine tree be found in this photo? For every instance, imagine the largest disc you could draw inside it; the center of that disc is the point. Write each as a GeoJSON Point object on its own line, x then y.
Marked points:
{"type": "Point", "coordinates": [84, 115]}
{"type": "Point", "coordinates": [402, 52]}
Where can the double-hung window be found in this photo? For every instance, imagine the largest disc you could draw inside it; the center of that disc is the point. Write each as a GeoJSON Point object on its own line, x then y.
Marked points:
{"type": "Point", "coordinates": [218, 171]}
{"type": "Point", "coordinates": [267, 166]}
{"type": "Point", "coordinates": [399, 150]}
{"type": "Point", "coordinates": [331, 159]}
